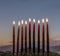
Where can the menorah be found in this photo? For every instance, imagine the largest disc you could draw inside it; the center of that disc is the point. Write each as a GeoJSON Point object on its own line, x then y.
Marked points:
{"type": "Point", "coordinates": [29, 32]}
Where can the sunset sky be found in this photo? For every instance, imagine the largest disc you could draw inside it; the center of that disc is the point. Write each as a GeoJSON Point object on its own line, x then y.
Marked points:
{"type": "Point", "coordinates": [23, 9]}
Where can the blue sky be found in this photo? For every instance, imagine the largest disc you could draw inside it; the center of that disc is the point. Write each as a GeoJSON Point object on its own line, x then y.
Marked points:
{"type": "Point", "coordinates": [23, 9]}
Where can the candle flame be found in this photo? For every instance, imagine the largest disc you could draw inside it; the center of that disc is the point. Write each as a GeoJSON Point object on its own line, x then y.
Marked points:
{"type": "Point", "coordinates": [25, 22]}
{"type": "Point", "coordinates": [46, 19]}
{"type": "Point", "coordinates": [29, 19]}
{"type": "Point", "coordinates": [33, 20]}
{"type": "Point", "coordinates": [42, 20]}
{"type": "Point", "coordinates": [18, 23]}
{"type": "Point", "coordinates": [38, 21]}
{"type": "Point", "coordinates": [22, 21]}
{"type": "Point", "coordinates": [13, 22]}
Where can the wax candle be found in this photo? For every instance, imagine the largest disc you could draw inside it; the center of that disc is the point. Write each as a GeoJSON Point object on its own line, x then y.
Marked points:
{"type": "Point", "coordinates": [38, 37]}
{"type": "Point", "coordinates": [43, 38]}
{"type": "Point", "coordinates": [26, 36]}
{"type": "Point", "coordinates": [13, 38]}
{"type": "Point", "coordinates": [47, 35]}
{"type": "Point", "coordinates": [18, 38]}
{"type": "Point", "coordinates": [29, 34]}
{"type": "Point", "coordinates": [22, 37]}
{"type": "Point", "coordinates": [33, 36]}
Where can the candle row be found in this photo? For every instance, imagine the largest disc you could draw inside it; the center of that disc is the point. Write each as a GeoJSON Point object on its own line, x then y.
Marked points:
{"type": "Point", "coordinates": [22, 22]}
{"type": "Point", "coordinates": [34, 25]}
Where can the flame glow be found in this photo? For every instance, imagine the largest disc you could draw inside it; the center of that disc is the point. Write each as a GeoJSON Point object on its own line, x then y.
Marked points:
{"type": "Point", "coordinates": [18, 23]}
{"type": "Point", "coordinates": [46, 19]}
{"type": "Point", "coordinates": [25, 22]}
{"type": "Point", "coordinates": [33, 20]}
{"type": "Point", "coordinates": [29, 19]}
{"type": "Point", "coordinates": [13, 22]}
{"type": "Point", "coordinates": [42, 20]}
{"type": "Point", "coordinates": [22, 21]}
{"type": "Point", "coordinates": [38, 21]}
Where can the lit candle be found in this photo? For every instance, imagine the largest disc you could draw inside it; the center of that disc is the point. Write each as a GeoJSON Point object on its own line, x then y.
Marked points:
{"type": "Point", "coordinates": [26, 37]}
{"type": "Point", "coordinates": [13, 38]}
{"type": "Point", "coordinates": [22, 38]}
{"type": "Point", "coordinates": [34, 36]}
{"type": "Point", "coordinates": [29, 34]}
{"type": "Point", "coordinates": [43, 37]}
{"type": "Point", "coordinates": [38, 37]}
{"type": "Point", "coordinates": [18, 38]}
{"type": "Point", "coordinates": [47, 35]}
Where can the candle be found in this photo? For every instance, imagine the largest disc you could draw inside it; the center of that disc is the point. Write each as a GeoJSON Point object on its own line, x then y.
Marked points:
{"type": "Point", "coordinates": [47, 35]}
{"type": "Point", "coordinates": [18, 38]}
{"type": "Point", "coordinates": [34, 36]}
{"type": "Point", "coordinates": [29, 34]}
{"type": "Point", "coordinates": [13, 38]}
{"type": "Point", "coordinates": [26, 36]}
{"type": "Point", "coordinates": [22, 38]}
{"type": "Point", "coordinates": [38, 37]}
{"type": "Point", "coordinates": [43, 38]}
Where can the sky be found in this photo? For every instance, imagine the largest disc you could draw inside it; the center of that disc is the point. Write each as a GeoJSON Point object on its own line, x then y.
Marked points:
{"type": "Point", "coordinates": [24, 9]}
